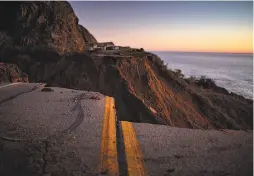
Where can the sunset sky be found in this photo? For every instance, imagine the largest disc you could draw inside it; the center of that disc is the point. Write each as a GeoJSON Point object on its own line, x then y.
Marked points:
{"type": "Point", "coordinates": [171, 26]}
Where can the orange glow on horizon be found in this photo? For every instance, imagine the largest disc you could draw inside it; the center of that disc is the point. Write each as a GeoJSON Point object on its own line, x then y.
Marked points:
{"type": "Point", "coordinates": [207, 51]}
{"type": "Point", "coordinates": [204, 39]}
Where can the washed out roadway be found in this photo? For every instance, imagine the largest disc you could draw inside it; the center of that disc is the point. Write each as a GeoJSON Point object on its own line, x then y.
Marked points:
{"type": "Point", "coordinates": [69, 132]}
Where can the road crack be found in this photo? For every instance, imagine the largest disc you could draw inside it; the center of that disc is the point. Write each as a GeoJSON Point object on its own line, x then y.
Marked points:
{"type": "Point", "coordinates": [79, 119]}
{"type": "Point", "coordinates": [18, 94]}
{"type": "Point", "coordinates": [46, 141]}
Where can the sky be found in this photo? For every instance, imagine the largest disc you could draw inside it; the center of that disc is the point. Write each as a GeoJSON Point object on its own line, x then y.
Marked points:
{"type": "Point", "coordinates": [198, 26]}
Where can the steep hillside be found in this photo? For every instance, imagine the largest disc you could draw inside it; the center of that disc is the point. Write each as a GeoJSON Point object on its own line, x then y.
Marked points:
{"type": "Point", "coordinates": [183, 104]}
{"type": "Point", "coordinates": [143, 92]}
{"type": "Point", "coordinates": [42, 25]}
{"type": "Point", "coordinates": [144, 89]}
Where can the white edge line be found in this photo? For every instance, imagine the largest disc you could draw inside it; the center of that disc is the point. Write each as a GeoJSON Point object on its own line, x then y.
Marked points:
{"type": "Point", "coordinates": [40, 85]}
{"type": "Point", "coordinates": [9, 85]}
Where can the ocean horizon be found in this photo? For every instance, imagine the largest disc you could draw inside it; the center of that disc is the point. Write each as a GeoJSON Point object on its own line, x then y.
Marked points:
{"type": "Point", "coordinates": [203, 52]}
{"type": "Point", "coordinates": [233, 71]}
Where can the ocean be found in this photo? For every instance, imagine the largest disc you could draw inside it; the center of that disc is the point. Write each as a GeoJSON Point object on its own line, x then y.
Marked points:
{"type": "Point", "coordinates": [231, 71]}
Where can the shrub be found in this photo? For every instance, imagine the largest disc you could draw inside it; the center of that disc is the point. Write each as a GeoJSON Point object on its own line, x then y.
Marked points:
{"type": "Point", "coordinates": [191, 79]}
{"type": "Point", "coordinates": [202, 81]}
{"type": "Point", "coordinates": [178, 73]}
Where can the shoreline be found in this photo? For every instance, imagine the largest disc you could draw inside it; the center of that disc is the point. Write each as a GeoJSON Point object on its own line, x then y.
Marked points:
{"type": "Point", "coordinates": [222, 82]}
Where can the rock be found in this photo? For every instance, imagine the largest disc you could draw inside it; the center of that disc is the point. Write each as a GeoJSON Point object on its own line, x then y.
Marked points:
{"type": "Point", "coordinates": [48, 25]}
{"type": "Point", "coordinates": [45, 41]}
{"type": "Point", "coordinates": [11, 73]}
{"type": "Point", "coordinates": [47, 89]}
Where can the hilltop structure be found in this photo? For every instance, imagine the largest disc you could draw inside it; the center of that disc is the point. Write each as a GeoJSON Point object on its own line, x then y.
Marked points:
{"type": "Point", "coordinates": [45, 40]}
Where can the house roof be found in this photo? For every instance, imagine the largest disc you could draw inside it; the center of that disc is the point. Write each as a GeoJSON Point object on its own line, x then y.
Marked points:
{"type": "Point", "coordinates": [105, 43]}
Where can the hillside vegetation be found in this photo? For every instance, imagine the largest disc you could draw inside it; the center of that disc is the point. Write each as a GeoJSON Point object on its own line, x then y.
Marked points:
{"type": "Point", "coordinates": [145, 90]}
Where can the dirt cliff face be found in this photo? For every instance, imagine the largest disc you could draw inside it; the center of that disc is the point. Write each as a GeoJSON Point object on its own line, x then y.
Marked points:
{"type": "Point", "coordinates": [143, 92]}
{"type": "Point", "coordinates": [51, 25]}
{"type": "Point", "coordinates": [144, 89]}
{"type": "Point", "coordinates": [10, 73]}
{"type": "Point", "coordinates": [181, 104]}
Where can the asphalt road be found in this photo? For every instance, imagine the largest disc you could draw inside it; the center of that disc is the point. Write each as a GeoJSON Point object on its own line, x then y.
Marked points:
{"type": "Point", "coordinates": [178, 151]}
{"type": "Point", "coordinates": [10, 91]}
{"type": "Point", "coordinates": [75, 133]}
{"type": "Point", "coordinates": [49, 133]}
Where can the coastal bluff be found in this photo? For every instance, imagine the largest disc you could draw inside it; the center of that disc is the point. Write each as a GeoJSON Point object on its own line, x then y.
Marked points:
{"type": "Point", "coordinates": [45, 40]}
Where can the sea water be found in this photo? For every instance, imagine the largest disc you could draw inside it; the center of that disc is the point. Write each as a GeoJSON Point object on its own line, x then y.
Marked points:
{"type": "Point", "coordinates": [231, 71]}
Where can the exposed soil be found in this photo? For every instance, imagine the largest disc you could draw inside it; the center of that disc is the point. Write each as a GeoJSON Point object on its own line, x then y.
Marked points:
{"type": "Point", "coordinates": [45, 41]}
{"type": "Point", "coordinates": [144, 92]}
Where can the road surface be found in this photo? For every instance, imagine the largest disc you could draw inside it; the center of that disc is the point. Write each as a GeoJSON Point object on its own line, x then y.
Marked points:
{"type": "Point", "coordinates": [69, 132]}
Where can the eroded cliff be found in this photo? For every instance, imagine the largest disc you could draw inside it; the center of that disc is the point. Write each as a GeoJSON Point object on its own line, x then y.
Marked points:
{"type": "Point", "coordinates": [45, 41]}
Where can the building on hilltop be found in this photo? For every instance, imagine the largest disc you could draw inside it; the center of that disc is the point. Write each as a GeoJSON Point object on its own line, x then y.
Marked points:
{"type": "Point", "coordinates": [105, 45]}
{"type": "Point", "coordinates": [101, 46]}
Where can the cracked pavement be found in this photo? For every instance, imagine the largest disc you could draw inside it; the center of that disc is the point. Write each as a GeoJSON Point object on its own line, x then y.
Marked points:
{"type": "Point", "coordinates": [50, 133]}
{"type": "Point", "coordinates": [59, 134]}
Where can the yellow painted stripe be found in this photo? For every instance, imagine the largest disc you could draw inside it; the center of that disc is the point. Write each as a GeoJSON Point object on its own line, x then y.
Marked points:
{"type": "Point", "coordinates": [109, 163]}
{"type": "Point", "coordinates": [132, 149]}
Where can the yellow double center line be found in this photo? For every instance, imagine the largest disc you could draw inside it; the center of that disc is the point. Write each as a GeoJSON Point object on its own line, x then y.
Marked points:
{"type": "Point", "coordinates": [109, 161]}
{"type": "Point", "coordinates": [133, 153]}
